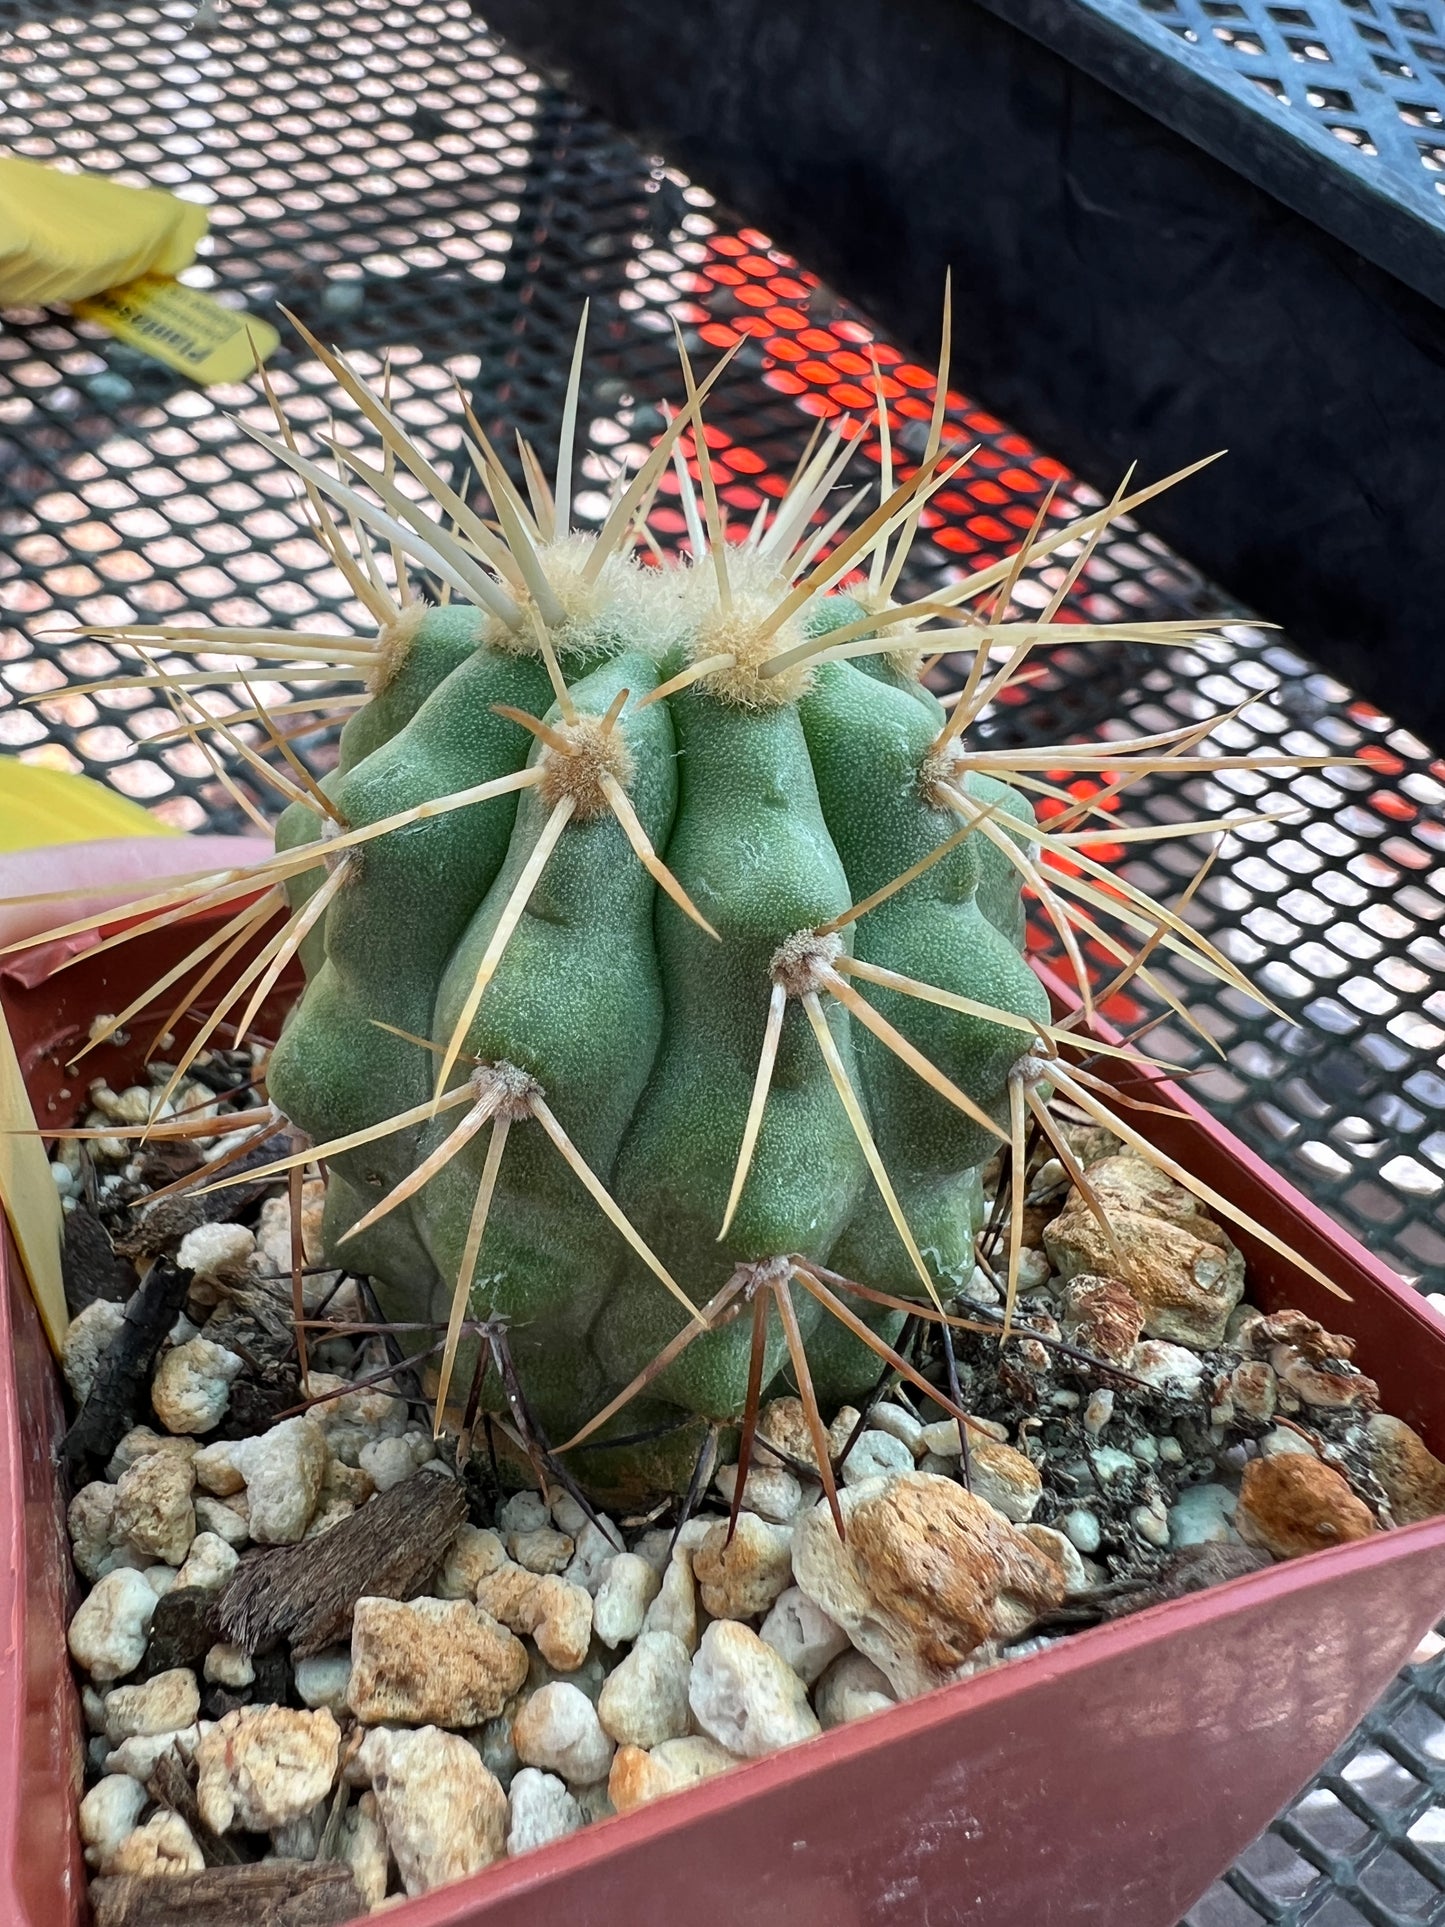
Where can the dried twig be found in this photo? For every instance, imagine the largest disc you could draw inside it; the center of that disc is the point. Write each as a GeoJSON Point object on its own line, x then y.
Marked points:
{"type": "Point", "coordinates": [307, 1593]}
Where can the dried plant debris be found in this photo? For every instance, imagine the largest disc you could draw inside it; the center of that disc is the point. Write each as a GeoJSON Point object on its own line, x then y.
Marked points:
{"type": "Point", "coordinates": [307, 1594]}
{"type": "Point", "coordinates": [671, 1126]}
{"type": "Point", "coordinates": [279, 1894]}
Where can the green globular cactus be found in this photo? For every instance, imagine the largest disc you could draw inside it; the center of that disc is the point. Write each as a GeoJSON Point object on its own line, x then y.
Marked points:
{"type": "Point", "coordinates": [663, 937]}
{"type": "Point", "coordinates": [637, 1018]}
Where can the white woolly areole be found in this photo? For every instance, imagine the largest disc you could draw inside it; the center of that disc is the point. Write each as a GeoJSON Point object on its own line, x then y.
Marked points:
{"type": "Point", "coordinates": [595, 753]}
{"type": "Point", "coordinates": [638, 606]}
{"type": "Point", "coordinates": [394, 644]}
{"type": "Point", "coordinates": [511, 1090]}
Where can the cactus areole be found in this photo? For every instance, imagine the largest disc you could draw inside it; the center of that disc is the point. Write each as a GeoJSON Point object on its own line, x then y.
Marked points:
{"type": "Point", "coordinates": [663, 933]}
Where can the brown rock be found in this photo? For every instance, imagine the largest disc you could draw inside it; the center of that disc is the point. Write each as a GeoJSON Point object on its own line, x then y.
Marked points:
{"type": "Point", "coordinates": [927, 1576]}
{"type": "Point", "coordinates": [783, 1422]}
{"type": "Point", "coordinates": [1101, 1317]}
{"type": "Point", "coordinates": [431, 1662]}
{"type": "Point", "coordinates": [1413, 1478]}
{"type": "Point", "coordinates": [1177, 1262]}
{"type": "Point", "coordinates": [1295, 1503]}
{"type": "Point", "coordinates": [1252, 1390]}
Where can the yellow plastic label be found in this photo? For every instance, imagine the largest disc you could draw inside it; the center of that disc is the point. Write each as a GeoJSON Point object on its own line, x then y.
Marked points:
{"type": "Point", "coordinates": [184, 328]}
{"type": "Point", "coordinates": [28, 1193]}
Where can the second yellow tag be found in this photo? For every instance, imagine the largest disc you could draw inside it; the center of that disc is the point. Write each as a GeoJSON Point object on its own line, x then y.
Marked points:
{"type": "Point", "coordinates": [184, 328]}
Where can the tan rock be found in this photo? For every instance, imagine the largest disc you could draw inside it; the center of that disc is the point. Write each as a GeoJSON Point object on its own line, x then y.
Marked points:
{"type": "Point", "coordinates": [783, 1422]}
{"type": "Point", "coordinates": [218, 1469]}
{"type": "Point", "coordinates": [139, 1442]}
{"type": "Point", "coordinates": [153, 1508]}
{"type": "Point", "coordinates": [674, 1610]}
{"type": "Point", "coordinates": [1001, 1476]}
{"type": "Point", "coordinates": [1412, 1477]}
{"type": "Point", "coordinates": [638, 1777]}
{"type": "Point", "coordinates": [1295, 1503]}
{"type": "Point", "coordinates": [744, 1577]}
{"type": "Point", "coordinates": [431, 1662]}
{"type": "Point", "coordinates": [1323, 1385]}
{"type": "Point", "coordinates": [1101, 1316]}
{"type": "Point", "coordinates": [445, 1815]}
{"type": "Point", "coordinates": [156, 1705]}
{"type": "Point", "coordinates": [644, 1699]}
{"type": "Point", "coordinates": [1252, 1391]}
{"type": "Point", "coordinates": [541, 1550]}
{"type": "Point", "coordinates": [1062, 1553]}
{"type": "Point", "coordinates": [351, 1483]}
{"type": "Point", "coordinates": [1177, 1262]}
{"type": "Point", "coordinates": [90, 1520]}
{"type": "Point", "coordinates": [362, 1845]}
{"type": "Point", "coordinates": [226, 1664]}
{"type": "Point", "coordinates": [928, 1574]}
{"type": "Point", "coordinates": [474, 1555]}
{"type": "Point", "coordinates": [263, 1766]}
{"type": "Point", "coordinates": [1257, 1333]}
{"type": "Point", "coordinates": [164, 1845]}
{"type": "Point", "coordinates": [557, 1614]}
{"type": "Point", "coordinates": [558, 1730]}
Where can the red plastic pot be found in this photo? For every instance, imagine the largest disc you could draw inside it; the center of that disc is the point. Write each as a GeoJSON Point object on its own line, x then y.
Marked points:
{"type": "Point", "coordinates": [1109, 1778]}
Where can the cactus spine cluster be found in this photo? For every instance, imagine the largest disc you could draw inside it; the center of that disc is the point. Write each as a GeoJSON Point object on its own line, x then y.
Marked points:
{"type": "Point", "coordinates": [663, 935]}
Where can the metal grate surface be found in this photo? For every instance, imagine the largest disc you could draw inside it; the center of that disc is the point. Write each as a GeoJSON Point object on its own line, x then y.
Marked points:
{"type": "Point", "coordinates": [1305, 96]}
{"type": "Point", "coordinates": [391, 174]}
{"type": "Point", "coordinates": [1367, 74]}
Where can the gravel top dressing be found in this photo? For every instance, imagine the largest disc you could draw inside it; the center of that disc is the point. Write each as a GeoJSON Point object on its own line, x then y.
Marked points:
{"type": "Point", "coordinates": [323, 1666]}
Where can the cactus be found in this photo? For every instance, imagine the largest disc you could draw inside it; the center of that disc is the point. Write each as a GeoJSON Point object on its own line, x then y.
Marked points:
{"type": "Point", "coordinates": [663, 935]}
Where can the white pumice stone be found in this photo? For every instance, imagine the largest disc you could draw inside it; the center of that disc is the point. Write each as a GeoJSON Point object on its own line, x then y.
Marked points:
{"type": "Point", "coordinates": [108, 1813]}
{"type": "Point", "coordinates": [874, 1456]}
{"type": "Point", "coordinates": [744, 1696]}
{"type": "Point", "coordinates": [541, 1810]}
{"type": "Point", "coordinates": [109, 1631]}
{"type": "Point", "coordinates": [629, 1586]}
{"type": "Point", "coordinates": [87, 1339]}
{"type": "Point", "coordinates": [558, 1730]}
{"type": "Point", "coordinates": [803, 1635]}
{"type": "Point", "coordinates": [645, 1698]}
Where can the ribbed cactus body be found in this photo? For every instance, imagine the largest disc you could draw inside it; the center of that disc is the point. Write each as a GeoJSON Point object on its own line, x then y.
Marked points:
{"type": "Point", "coordinates": [776, 808]}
